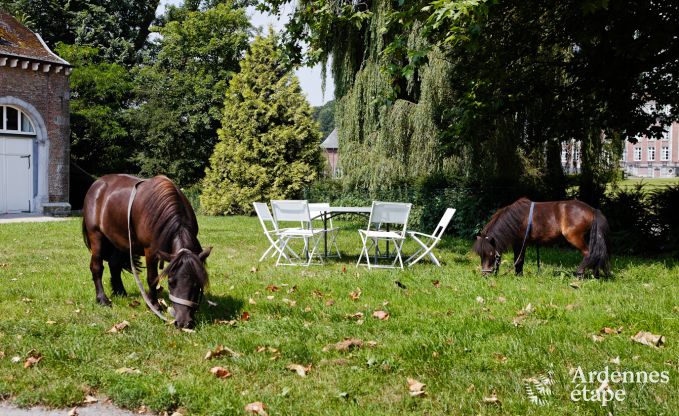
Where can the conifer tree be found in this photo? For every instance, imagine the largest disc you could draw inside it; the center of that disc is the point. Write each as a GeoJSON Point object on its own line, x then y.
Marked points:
{"type": "Point", "coordinates": [269, 144]}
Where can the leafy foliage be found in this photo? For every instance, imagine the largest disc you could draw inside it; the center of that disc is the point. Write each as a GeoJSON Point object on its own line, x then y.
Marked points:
{"type": "Point", "coordinates": [99, 91]}
{"type": "Point", "coordinates": [325, 116]}
{"type": "Point", "coordinates": [180, 91]}
{"type": "Point", "coordinates": [268, 143]}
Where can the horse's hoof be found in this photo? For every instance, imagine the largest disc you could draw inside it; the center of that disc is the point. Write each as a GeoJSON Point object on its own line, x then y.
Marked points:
{"type": "Point", "coordinates": [104, 301]}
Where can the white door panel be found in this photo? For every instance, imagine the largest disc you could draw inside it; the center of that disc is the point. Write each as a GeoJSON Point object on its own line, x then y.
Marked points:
{"type": "Point", "coordinates": [16, 174]}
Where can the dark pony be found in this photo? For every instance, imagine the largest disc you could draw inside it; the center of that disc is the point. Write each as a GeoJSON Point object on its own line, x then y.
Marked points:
{"type": "Point", "coordinates": [572, 220]}
{"type": "Point", "coordinates": [163, 229]}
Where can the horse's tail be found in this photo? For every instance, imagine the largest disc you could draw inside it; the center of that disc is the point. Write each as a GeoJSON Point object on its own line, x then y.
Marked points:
{"type": "Point", "coordinates": [86, 239]}
{"type": "Point", "coordinates": [599, 244]}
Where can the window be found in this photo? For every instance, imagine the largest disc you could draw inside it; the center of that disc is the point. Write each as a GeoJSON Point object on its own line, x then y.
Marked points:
{"type": "Point", "coordinates": [13, 120]}
{"type": "Point", "coordinates": [666, 133]}
{"type": "Point", "coordinates": [651, 154]}
{"type": "Point", "coordinates": [637, 154]}
{"type": "Point", "coordinates": [665, 153]}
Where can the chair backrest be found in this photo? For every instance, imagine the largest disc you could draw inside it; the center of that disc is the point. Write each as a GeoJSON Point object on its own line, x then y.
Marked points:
{"type": "Point", "coordinates": [390, 213]}
{"type": "Point", "coordinates": [291, 210]}
{"type": "Point", "coordinates": [315, 210]}
{"type": "Point", "coordinates": [443, 223]}
{"type": "Point", "coordinates": [264, 215]}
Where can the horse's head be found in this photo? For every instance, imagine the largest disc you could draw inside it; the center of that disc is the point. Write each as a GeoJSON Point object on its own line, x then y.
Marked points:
{"type": "Point", "coordinates": [187, 278]}
{"type": "Point", "coordinates": [486, 247]}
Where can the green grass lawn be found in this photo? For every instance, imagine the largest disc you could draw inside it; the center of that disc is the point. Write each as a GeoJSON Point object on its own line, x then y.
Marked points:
{"type": "Point", "coordinates": [464, 337]}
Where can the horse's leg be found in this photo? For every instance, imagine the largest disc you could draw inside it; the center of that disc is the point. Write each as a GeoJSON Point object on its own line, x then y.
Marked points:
{"type": "Point", "coordinates": [97, 266]}
{"type": "Point", "coordinates": [518, 259]}
{"type": "Point", "coordinates": [152, 277]}
{"type": "Point", "coordinates": [116, 266]}
{"type": "Point", "coordinates": [578, 241]}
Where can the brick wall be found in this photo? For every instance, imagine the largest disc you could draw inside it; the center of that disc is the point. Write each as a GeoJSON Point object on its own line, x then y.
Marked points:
{"type": "Point", "coordinates": [48, 92]}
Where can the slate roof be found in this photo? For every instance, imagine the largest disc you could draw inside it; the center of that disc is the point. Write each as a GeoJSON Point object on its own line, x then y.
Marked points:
{"type": "Point", "coordinates": [331, 142]}
{"type": "Point", "coordinates": [17, 40]}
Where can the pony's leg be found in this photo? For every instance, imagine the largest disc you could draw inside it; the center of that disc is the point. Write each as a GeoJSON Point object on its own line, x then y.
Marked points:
{"type": "Point", "coordinates": [97, 267]}
{"type": "Point", "coordinates": [152, 278]}
{"type": "Point", "coordinates": [518, 259]}
{"type": "Point", "coordinates": [578, 241]}
{"type": "Point", "coordinates": [116, 267]}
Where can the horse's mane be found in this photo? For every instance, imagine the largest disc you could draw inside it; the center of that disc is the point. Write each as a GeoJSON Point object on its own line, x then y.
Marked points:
{"type": "Point", "coordinates": [171, 217]}
{"type": "Point", "coordinates": [504, 226]}
{"type": "Point", "coordinates": [193, 264]}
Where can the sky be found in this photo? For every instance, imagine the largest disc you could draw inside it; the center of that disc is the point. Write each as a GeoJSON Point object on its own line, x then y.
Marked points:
{"type": "Point", "coordinates": [309, 78]}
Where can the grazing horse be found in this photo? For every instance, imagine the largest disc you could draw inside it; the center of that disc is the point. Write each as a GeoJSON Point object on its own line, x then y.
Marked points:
{"type": "Point", "coordinates": [163, 228]}
{"type": "Point", "coordinates": [550, 220]}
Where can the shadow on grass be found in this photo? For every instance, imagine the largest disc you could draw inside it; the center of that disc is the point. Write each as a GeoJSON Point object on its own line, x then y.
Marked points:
{"type": "Point", "coordinates": [226, 308]}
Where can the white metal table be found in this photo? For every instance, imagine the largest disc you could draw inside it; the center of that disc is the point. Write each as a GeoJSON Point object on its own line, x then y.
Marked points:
{"type": "Point", "coordinates": [330, 212]}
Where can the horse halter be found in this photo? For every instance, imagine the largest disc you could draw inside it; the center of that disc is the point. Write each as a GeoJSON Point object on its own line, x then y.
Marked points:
{"type": "Point", "coordinates": [180, 301]}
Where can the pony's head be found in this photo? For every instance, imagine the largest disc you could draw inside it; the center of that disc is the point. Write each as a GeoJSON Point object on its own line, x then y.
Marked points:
{"type": "Point", "coordinates": [187, 278]}
{"type": "Point", "coordinates": [486, 248]}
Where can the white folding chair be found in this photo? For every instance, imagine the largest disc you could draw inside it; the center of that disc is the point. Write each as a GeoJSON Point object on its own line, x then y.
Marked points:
{"type": "Point", "coordinates": [384, 213]}
{"type": "Point", "coordinates": [271, 234]}
{"type": "Point", "coordinates": [432, 240]}
{"type": "Point", "coordinates": [296, 211]}
{"type": "Point", "coordinates": [316, 210]}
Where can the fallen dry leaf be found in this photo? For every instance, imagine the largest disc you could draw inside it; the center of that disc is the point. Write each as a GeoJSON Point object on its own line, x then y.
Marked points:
{"type": "Point", "coordinates": [253, 270]}
{"type": "Point", "coordinates": [270, 297]}
{"type": "Point", "coordinates": [289, 302]}
{"type": "Point", "coordinates": [299, 369]}
{"type": "Point", "coordinates": [221, 350]}
{"type": "Point", "coordinates": [231, 322]}
{"type": "Point", "coordinates": [501, 299]}
{"type": "Point", "coordinates": [73, 412]}
{"type": "Point", "coordinates": [245, 316]}
{"type": "Point", "coordinates": [118, 327]}
{"type": "Point", "coordinates": [127, 370]}
{"type": "Point", "coordinates": [615, 360]}
{"type": "Point", "coordinates": [647, 338]}
{"type": "Point", "coordinates": [415, 388]}
{"type": "Point", "coordinates": [2, 355]}
{"type": "Point", "coordinates": [257, 408]}
{"type": "Point", "coordinates": [317, 293]}
{"type": "Point", "coordinates": [345, 345]}
{"type": "Point", "coordinates": [357, 315]}
{"type": "Point", "coordinates": [134, 304]}
{"type": "Point", "coordinates": [436, 283]}
{"type": "Point", "coordinates": [272, 288]}
{"type": "Point", "coordinates": [356, 294]}
{"type": "Point", "coordinates": [31, 361]}
{"type": "Point", "coordinates": [500, 358]}
{"type": "Point", "coordinates": [16, 359]}
{"type": "Point", "coordinates": [292, 289]}
{"type": "Point", "coordinates": [381, 315]}
{"type": "Point", "coordinates": [220, 372]}
{"type": "Point", "coordinates": [344, 268]}
{"type": "Point", "coordinates": [609, 331]}
{"type": "Point", "coordinates": [330, 302]}
{"type": "Point", "coordinates": [574, 284]}
{"type": "Point", "coordinates": [570, 307]}
{"type": "Point", "coordinates": [492, 399]}
{"type": "Point", "coordinates": [479, 299]}
{"type": "Point", "coordinates": [252, 301]}
{"type": "Point", "coordinates": [597, 338]}
{"type": "Point", "coordinates": [90, 399]}
{"type": "Point", "coordinates": [50, 322]}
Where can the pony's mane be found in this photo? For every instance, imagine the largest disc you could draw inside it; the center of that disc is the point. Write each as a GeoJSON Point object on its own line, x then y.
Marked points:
{"type": "Point", "coordinates": [170, 217]}
{"type": "Point", "coordinates": [504, 226]}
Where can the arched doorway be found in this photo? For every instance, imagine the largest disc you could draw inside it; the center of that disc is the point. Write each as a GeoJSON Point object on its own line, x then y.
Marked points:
{"type": "Point", "coordinates": [18, 164]}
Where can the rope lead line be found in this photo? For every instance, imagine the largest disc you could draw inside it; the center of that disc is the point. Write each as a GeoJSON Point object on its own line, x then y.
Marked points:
{"type": "Point", "coordinates": [134, 269]}
{"type": "Point", "coordinates": [525, 238]}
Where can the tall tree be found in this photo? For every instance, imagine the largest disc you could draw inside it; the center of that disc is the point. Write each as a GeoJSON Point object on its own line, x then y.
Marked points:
{"type": "Point", "coordinates": [325, 116]}
{"type": "Point", "coordinates": [268, 143]}
{"type": "Point", "coordinates": [180, 90]}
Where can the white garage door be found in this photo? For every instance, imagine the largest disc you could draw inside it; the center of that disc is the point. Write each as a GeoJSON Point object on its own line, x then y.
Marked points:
{"type": "Point", "coordinates": [16, 174]}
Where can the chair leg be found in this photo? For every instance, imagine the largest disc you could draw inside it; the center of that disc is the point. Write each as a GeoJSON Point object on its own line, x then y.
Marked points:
{"type": "Point", "coordinates": [266, 253]}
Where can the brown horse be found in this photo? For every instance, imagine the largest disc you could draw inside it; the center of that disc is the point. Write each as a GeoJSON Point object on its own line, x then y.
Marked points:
{"type": "Point", "coordinates": [551, 220]}
{"type": "Point", "coordinates": [163, 228]}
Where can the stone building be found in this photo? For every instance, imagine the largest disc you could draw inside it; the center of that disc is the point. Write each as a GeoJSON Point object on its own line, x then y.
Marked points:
{"type": "Point", "coordinates": [34, 123]}
{"type": "Point", "coordinates": [653, 158]}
